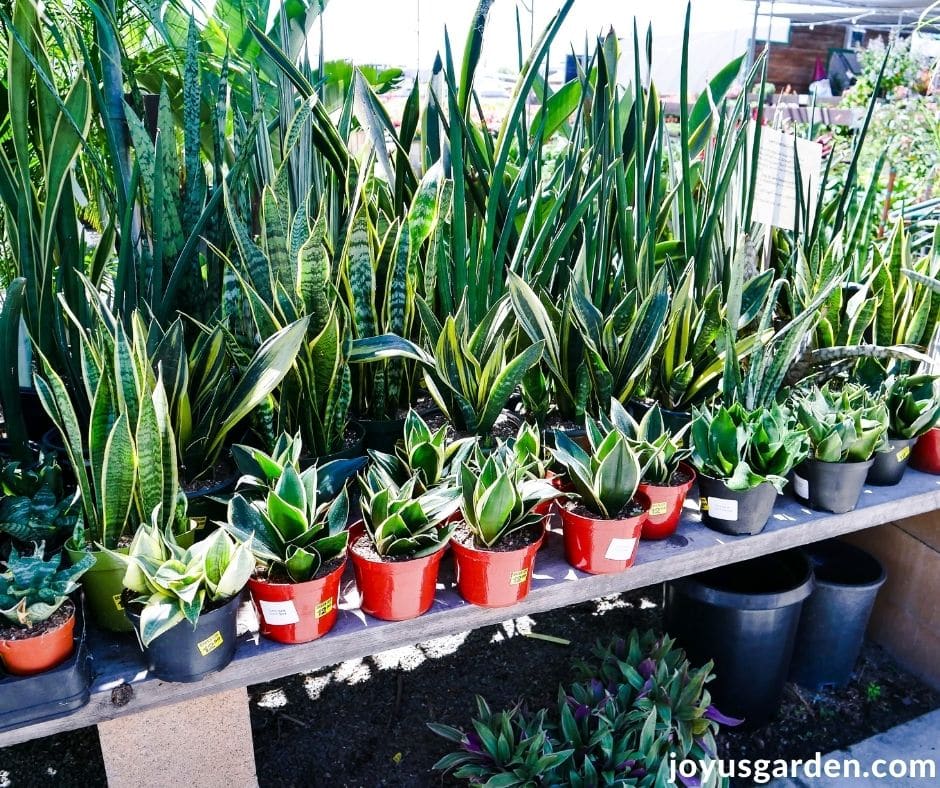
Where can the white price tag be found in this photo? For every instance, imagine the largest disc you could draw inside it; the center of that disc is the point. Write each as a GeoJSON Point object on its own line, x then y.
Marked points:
{"type": "Point", "coordinates": [620, 549]}
{"type": "Point", "coordinates": [800, 486]}
{"type": "Point", "coordinates": [278, 613]}
{"type": "Point", "coordinates": [722, 508]}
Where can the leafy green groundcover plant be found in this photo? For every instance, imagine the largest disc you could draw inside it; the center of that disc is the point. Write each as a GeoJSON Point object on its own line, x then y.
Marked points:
{"type": "Point", "coordinates": [175, 583]}
{"type": "Point", "coordinates": [747, 448]}
{"type": "Point", "coordinates": [913, 403]}
{"type": "Point", "coordinates": [404, 521]}
{"type": "Point", "coordinates": [636, 705]}
{"type": "Point", "coordinates": [294, 520]}
{"type": "Point", "coordinates": [33, 588]}
{"type": "Point", "coordinates": [843, 425]}
{"type": "Point", "coordinates": [606, 475]}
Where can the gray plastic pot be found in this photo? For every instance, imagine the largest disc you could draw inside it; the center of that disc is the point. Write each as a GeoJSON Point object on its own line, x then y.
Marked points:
{"type": "Point", "coordinates": [834, 618]}
{"type": "Point", "coordinates": [743, 616]}
{"type": "Point", "coordinates": [888, 465]}
{"type": "Point", "coordinates": [736, 512]}
{"type": "Point", "coordinates": [830, 486]}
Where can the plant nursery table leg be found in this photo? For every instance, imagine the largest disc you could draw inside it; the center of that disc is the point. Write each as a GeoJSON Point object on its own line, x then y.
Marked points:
{"type": "Point", "coordinates": [203, 742]}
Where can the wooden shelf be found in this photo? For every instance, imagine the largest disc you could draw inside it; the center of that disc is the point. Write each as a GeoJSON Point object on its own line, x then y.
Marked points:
{"type": "Point", "coordinates": [694, 548]}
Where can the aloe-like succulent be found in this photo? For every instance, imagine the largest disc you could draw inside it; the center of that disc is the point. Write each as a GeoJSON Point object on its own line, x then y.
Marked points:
{"type": "Point", "coordinates": [746, 448]}
{"type": "Point", "coordinates": [606, 474]}
{"type": "Point", "coordinates": [32, 587]}
{"type": "Point", "coordinates": [843, 425]}
{"type": "Point", "coordinates": [299, 524]}
{"type": "Point", "coordinates": [406, 522]}
{"type": "Point", "coordinates": [423, 454]}
{"type": "Point", "coordinates": [913, 403]}
{"type": "Point", "coordinates": [174, 583]}
{"type": "Point", "coordinates": [499, 497]}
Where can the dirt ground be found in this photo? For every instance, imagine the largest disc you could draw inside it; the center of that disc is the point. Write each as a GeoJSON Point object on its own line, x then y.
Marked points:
{"type": "Point", "coordinates": [362, 723]}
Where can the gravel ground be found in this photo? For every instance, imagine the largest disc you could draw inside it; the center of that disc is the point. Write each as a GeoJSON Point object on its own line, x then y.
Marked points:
{"type": "Point", "coordinates": [362, 723]}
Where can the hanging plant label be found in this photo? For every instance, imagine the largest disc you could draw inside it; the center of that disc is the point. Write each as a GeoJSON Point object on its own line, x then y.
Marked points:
{"type": "Point", "coordinates": [210, 644]}
{"type": "Point", "coordinates": [800, 486]}
{"type": "Point", "coordinates": [620, 549]}
{"type": "Point", "coordinates": [279, 613]}
{"type": "Point", "coordinates": [722, 508]}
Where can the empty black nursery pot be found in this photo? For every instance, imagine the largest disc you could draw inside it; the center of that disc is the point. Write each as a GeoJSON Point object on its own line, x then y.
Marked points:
{"type": "Point", "coordinates": [830, 486]}
{"type": "Point", "coordinates": [743, 616]}
{"type": "Point", "coordinates": [888, 466]}
{"type": "Point", "coordinates": [834, 618]}
{"type": "Point", "coordinates": [184, 653]}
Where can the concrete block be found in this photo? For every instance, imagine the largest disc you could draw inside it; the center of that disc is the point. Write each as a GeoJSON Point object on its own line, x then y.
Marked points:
{"type": "Point", "coordinates": [204, 742]}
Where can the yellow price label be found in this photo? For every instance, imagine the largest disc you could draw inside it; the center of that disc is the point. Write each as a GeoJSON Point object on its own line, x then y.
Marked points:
{"type": "Point", "coordinates": [210, 644]}
{"type": "Point", "coordinates": [903, 454]}
{"type": "Point", "coordinates": [657, 508]}
{"type": "Point", "coordinates": [117, 602]}
{"type": "Point", "coordinates": [323, 608]}
{"type": "Point", "coordinates": [703, 504]}
{"type": "Point", "coordinates": [518, 577]}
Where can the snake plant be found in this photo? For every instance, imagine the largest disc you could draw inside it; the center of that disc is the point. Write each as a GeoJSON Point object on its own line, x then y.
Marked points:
{"type": "Point", "coordinates": [32, 587]}
{"type": "Point", "coordinates": [173, 583]}
{"type": "Point", "coordinates": [659, 450]}
{"type": "Point", "coordinates": [475, 368]}
{"type": "Point", "coordinates": [913, 403]}
{"type": "Point", "coordinates": [606, 474]}
{"type": "Point", "coordinates": [843, 425]}
{"type": "Point", "coordinates": [499, 497]}
{"type": "Point", "coordinates": [404, 521]}
{"type": "Point", "coordinates": [429, 457]}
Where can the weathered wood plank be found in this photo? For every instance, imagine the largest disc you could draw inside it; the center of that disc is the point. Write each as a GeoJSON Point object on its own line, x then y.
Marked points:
{"type": "Point", "coordinates": [555, 584]}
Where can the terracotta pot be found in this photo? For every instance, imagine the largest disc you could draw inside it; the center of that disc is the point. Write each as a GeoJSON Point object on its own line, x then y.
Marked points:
{"type": "Point", "coordinates": [601, 546]}
{"type": "Point", "coordinates": [495, 578]}
{"type": "Point", "coordinates": [665, 506]}
{"type": "Point", "coordinates": [297, 612]}
{"type": "Point", "coordinates": [926, 453]}
{"type": "Point", "coordinates": [27, 656]}
{"type": "Point", "coordinates": [394, 590]}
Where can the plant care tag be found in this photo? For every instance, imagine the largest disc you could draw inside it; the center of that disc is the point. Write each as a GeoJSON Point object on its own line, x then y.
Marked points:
{"type": "Point", "coordinates": [903, 454]}
{"type": "Point", "coordinates": [722, 508]}
{"type": "Point", "coordinates": [198, 523]}
{"type": "Point", "coordinates": [279, 613]}
{"type": "Point", "coordinates": [210, 644]}
{"type": "Point", "coordinates": [658, 508]}
{"type": "Point", "coordinates": [323, 608]}
{"type": "Point", "coordinates": [800, 486]}
{"type": "Point", "coordinates": [620, 549]}
{"type": "Point", "coordinates": [117, 602]}
{"type": "Point", "coordinates": [518, 577]}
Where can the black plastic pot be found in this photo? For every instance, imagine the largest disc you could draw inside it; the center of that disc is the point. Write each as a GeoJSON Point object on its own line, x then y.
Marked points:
{"type": "Point", "coordinates": [206, 504]}
{"type": "Point", "coordinates": [673, 420]}
{"type": "Point", "coordinates": [834, 618]}
{"type": "Point", "coordinates": [382, 435]}
{"type": "Point", "coordinates": [888, 466]}
{"type": "Point", "coordinates": [184, 653]}
{"type": "Point", "coordinates": [355, 449]}
{"type": "Point", "coordinates": [745, 617]}
{"type": "Point", "coordinates": [736, 512]}
{"type": "Point", "coordinates": [830, 486]}
{"type": "Point", "coordinates": [25, 700]}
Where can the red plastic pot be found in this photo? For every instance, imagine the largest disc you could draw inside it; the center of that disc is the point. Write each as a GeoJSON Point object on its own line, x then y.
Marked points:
{"type": "Point", "coordinates": [602, 546]}
{"type": "Point", "coordinates": [394, 590]}
{"type": "Point", "coordinates": [27, 656]}
{"type": "Point", "coordinates": [925, 455]}
{"type": "Point", "coordinates": [665, 506]}
{"type": "Point", "coordinates": [297, 612]}
{"type": "Point", "coordinates": [495, 578]}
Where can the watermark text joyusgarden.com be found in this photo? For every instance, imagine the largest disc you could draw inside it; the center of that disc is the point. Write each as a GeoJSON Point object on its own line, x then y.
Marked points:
{"type": "Point", "coordinates": [762, 770]}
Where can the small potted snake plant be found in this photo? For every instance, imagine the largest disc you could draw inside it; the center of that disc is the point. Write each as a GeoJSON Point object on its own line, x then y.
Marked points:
{"type": "Point", "coordinates": [743, 459]}
{"type": "Point", "coordinates": [845, 427]}
{"type": "Point", "coordinates": [503, 527]}
{"type": "Point", "coordinates": [37, 614]}
{"type": "Point", "coordinates": [527, 451]}
{"type": "Point", "coordinates": [183, 602]}
{"type": "Point", "coordinates": [666, 478]}
{"type": "Point", "coordinates": [396, 549]}
{"type": "Point", "coordinates": [603, 517]}
{"type": "Point", "coordinates": [295, 521]}
{"type": "Point", "coordinates": [913, 403]}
